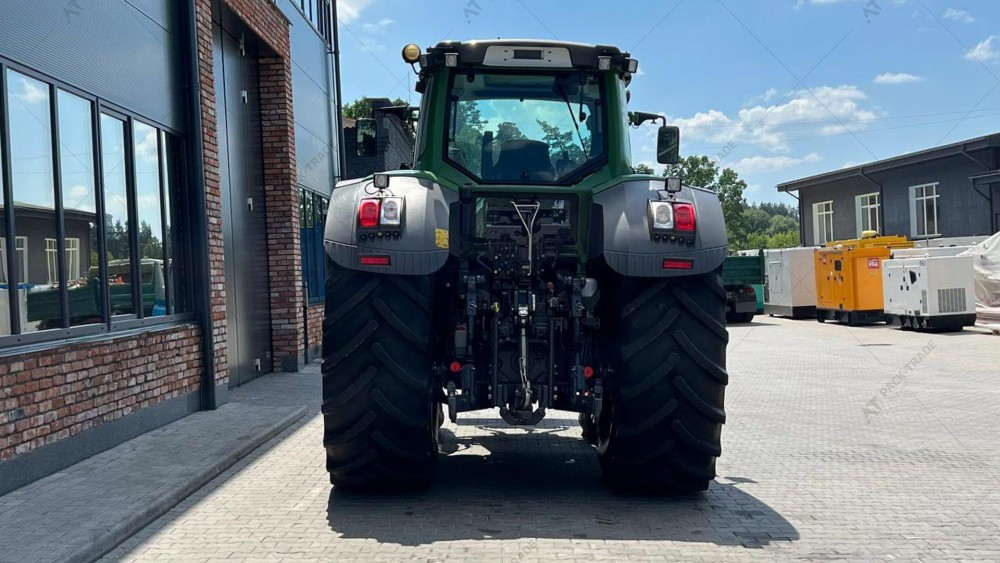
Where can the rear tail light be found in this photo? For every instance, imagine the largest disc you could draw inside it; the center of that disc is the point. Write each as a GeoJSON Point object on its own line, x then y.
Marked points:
{"type": "Point", "coordinates": [368, 212]}
{"type": "Point", "coordinates": [684, 219]}
{"type": "Point", "coordinates": [375, 261]}
{"type": "Point", "coordinates": [671, 264]}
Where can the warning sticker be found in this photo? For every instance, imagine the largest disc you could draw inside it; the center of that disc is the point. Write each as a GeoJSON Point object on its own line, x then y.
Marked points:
{"type": "Point", "coordinates": [441, 238]}
{"type": "Point", "coordinates": [873, 263]}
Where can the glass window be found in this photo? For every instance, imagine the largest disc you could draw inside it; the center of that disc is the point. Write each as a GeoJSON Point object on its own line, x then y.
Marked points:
{"type": "Point", "coordinates": [517, 128]}
{"type": "Point", "coordinates": [149, 212]}
{"type": "Point", "coordinates": [34, 196]}
{"type": "Point", "coordinates": [52, 259]}
{"type": "Point", "coordinates": [924, 211]}
{"type": "Point", "coordinates": [868, 207]}
{"type": "Point", "coordinates": [79, 195]}
{"type": "Point", "coordinates": [822, 222]}
{"type": "Point", "coordinates": [177, 273]}
{"type": "Point", "coordinates": [116, 203]}
{"type": "Point", "coordinates": [312, 211]}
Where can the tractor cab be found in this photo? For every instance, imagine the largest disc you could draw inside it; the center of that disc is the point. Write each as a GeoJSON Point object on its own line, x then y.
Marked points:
{"type": "Point", "coordinates": [517, 112]}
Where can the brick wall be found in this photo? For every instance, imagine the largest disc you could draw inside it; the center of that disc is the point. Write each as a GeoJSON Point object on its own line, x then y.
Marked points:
{"type": "Point", "coordinates": [314, 324]}
{"type": "Point", "coordinates": [213, 193]}
{"type": "Point", "coordinates": [50, 395]}
{"type": "Point", "coordinates": [282, 194]}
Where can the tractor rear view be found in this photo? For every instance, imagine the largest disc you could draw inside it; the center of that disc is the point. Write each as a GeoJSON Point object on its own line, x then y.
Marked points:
{"type": "Point", "coordinates": [522, 264]}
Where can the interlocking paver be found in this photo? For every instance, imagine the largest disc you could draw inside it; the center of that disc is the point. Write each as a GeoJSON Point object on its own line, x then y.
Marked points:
{"type": "Point", "coordinates": [812, 468]}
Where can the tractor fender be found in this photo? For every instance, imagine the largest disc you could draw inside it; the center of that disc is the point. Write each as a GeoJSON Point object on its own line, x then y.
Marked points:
{"type": "Point", "coordinates": [422, 245]}
{"type": "Point", "coordinates": [628, 245]}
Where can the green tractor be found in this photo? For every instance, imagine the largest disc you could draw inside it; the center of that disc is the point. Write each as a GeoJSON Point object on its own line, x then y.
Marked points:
{"type": "Point", "coordinates": [522, 264]}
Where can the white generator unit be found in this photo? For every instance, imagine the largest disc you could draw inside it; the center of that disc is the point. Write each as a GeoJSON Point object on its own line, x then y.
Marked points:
{"type": "Point", "coordinates": [790, 290]}
{"type": "Point", "coordinates": [929, 289]}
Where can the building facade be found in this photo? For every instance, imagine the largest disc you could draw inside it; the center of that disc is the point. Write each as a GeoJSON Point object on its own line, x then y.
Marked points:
{"type": "Point", "coordinates": [391, 148]}
{"type": "Point", "coordinates": [948, 191]}
{"type": "Point", "coordinates": [163, 169]}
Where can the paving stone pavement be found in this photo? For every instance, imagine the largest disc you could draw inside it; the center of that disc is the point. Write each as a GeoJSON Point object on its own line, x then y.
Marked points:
{"type": "Point", "coordinates": [841, 444]}
{"type": "Point", "coordinates": [81, 512]}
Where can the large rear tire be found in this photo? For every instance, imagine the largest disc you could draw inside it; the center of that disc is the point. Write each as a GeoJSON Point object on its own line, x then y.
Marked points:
{"type": "Point", "coordinates": [661, 428]}
{"type": "Point", "coordinates": [380, 412]}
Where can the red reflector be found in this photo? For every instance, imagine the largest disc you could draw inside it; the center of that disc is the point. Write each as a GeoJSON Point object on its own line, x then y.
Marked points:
{"type": "Point", "coordinates": [374, 260]}
{"type": "Point", "coordinates": [669, 264]}
{"type": "Point", "coordinates": [749, 291]}
{"type": "Point", "coordinates": [684, 217]}
{"type": "Point", "coordinates": [455, 367]}
{"type": "Point", "coordinates": [588, 372]}
{"type": "Point", "coordinates": [368, 212]}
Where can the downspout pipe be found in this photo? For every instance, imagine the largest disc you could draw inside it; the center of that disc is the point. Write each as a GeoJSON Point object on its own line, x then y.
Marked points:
{"type": "Point", "coordinates": [989, 197]}
{"type": "Point", "coordinates": [202, 286]}
{"type": "Point", "coordinates": [340, 102]}
{"type": "Point", "coordinates": [881, 198]}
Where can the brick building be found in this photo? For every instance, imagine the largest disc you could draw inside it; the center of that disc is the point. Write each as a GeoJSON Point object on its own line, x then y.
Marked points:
{"type": "Point", "coordinates": [394, 143]}
{"type": "Point", "coordinates": [160, 211]}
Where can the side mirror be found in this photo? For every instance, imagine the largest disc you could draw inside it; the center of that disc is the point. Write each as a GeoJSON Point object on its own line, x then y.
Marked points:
{"type": "Point", "coordinates": [668, 144]}
{"type": "Point", "coordinates": [366, 137]}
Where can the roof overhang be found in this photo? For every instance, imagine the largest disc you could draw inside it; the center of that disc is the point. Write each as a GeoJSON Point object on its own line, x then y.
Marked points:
{"type": "Point", "coordinates": [955, 149]}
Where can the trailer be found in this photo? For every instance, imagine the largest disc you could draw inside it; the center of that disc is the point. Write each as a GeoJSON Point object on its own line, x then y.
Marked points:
{"type": "Point", "coordinates": [790, 290]}
{"type": "Point", "coordinates": [740, 273]}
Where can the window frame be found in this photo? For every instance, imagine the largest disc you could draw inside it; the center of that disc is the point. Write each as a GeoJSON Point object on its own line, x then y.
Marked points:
{"type": "Point", "coordinates": [311, 245]}
{"type": "Point", "coordinates": [914, 212]}
{"type": "Point", "coordinates": [861, 207]}
{"type": "Point", "coordinates": [817, 212]}
{"type": "Point", "coordinates": [109, 325]}
{"type": "Point", "coordinates": [319, 15]}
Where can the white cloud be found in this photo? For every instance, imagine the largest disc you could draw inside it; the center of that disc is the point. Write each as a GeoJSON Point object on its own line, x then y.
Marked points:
{"type": "Point", "coordinates": [379, 26]}
{"type": "Point", "coordinates": [823, 111]}
{"type": "Point", "coordinates": [32, 92]}
{"type": "Point", "coordinates": [897, 78]}
{"type": "Point", "coordinates": [773, 163]}
{"type": "Point", "coordinates": [350, 10]}
{"type": "Point", "coordinates": [767, 96]}
{"type": "Point", "coordinates": [984, 51]}
{"type": "Point", "coordinates": [958, 15]}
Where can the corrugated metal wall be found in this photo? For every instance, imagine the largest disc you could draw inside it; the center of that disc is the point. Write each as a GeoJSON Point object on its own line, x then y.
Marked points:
{"type": "Point", "coordinates": [126, 52]}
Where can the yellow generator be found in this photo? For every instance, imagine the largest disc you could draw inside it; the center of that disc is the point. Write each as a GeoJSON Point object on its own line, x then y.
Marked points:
{"type": "Point", "coordinates": [849, 278]}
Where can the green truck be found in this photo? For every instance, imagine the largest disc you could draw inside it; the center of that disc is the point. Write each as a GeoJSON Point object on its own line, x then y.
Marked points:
{"type": "Point", "coordinates": [85, 297]}
{"type": "Point", "coordinates": [743, 278]}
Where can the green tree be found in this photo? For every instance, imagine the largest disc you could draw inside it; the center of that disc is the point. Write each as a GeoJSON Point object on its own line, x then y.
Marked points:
{"type": "Point", "coordinates": [362, 107]}
{"type": "Point", "coordinates": [782, 223]}
{"type": "Point", "coordinates": [466, 146]}
{"type": "Point", "coordinates": [701, 171]}
{"type": "Point", "coordinates": [507, 131]}
{"type": "Point", "coordinates": [563, 144]}
{"type": "Point", "coordinates": [758, 220]}
{"type": "Point", "coordinates": [643, 169]}
{"type": "Point", "coordinates": [698, 171]}
{"type": "Point", "coordinates": [784, 239]}
{"type": "Point", "coordinates": [149, 243]}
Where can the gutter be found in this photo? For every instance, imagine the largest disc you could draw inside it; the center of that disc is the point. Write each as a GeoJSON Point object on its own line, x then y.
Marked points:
{"type": "Point", "coordinates": [202, 285]}
{"type": "Point", "coordinates": [340, 103]}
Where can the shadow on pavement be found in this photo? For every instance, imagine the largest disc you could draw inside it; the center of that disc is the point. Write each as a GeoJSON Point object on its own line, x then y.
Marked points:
{"type": "Point", "coordinates": [514, 484]}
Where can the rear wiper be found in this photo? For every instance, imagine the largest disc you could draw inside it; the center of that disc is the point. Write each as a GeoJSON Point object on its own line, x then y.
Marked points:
{"type": "Point", "coordinates": [572, 116]}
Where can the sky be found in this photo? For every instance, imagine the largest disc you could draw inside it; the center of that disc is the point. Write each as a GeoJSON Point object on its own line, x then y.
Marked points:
{"type": "Point", "coordinates": [775, 89]}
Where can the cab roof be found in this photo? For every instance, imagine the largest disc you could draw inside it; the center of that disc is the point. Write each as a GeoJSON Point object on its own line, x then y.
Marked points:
{"type": "Point", "coordinates": [477, 52]}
